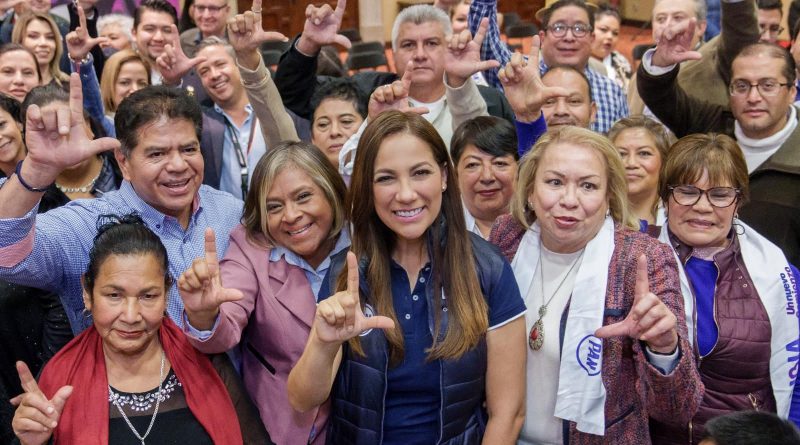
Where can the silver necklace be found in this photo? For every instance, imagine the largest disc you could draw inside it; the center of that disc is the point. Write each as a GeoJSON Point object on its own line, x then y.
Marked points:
{"type": "Point", "coordinates": [155, 412]}
{"type": "Point", "coordinates": [536, 334]}
{"type": "Point", "coordinates": [85, 189]}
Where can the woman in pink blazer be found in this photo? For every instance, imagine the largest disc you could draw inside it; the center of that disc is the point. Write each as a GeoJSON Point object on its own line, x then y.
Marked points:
{"type": "Point", "coordinates": [293, 223]}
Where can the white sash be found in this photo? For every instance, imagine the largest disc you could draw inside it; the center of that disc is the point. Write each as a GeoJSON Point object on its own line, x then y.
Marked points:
{"type": "Point", "coordinates": [581, 396]}
{"type": "Point", "coordinates": [777, 290]}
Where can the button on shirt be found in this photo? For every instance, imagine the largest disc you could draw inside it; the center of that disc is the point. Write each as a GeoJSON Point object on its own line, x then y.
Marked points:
{"type": "Point", "coordinates": [612, 104]}
{"type": "Point", "coordinates": [64, 236]}
{"type": "Point", "coordinates": [231, 178]}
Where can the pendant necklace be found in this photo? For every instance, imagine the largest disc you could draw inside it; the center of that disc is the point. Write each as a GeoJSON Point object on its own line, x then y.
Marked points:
{"type": "Point", "coordinates": [155, 412]}
{"type": "Point", "coordinates": [536, 335]}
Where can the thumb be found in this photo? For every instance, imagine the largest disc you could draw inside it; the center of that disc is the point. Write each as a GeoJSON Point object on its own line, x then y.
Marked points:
{"type": "Point", "coordinates": [419, 110]}
{"type": "Point", "coordinates": [98, 40]}
{"type": "Point", "coordinates": [196, 61]}
{"type": "Point", "coordinates": [613, 330]}
{"type": "Point", "coordinates": [274, 36]}
{"type": "Point", "coordinates": [342, 40]}
{"type": "Point", "coordinates": [60, 398]}
{"type": "Point", "coordinates": [550, 92]}
{"type": "Point", "coordinates": [488, 65]}
{"type": "Point", "coordinates": [103, 144]}
{"type": "Point", "coordinates": [377, 322]}
{"type": "Point", "coordinates": [230, 295]}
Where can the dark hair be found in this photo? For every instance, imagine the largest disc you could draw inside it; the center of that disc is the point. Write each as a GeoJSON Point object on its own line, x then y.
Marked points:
{"type": "Point", "coordinates": [604, 9]}
{"type": "Point", "coordinates": [343, 89]}
{"type": "Point", "coordinates": [489, 134]}
{"type": "Point", "coordinates": [563, 3]}
{"type": "Point", "coordinates": [751, 428]}
{"type": "Point", "coordinates": [186, 22]}
{"type": "Point", "coordinates": [47, 94]}
{"type": "Point", "coordinates": [770, 5]}
{"type": "Point", "coordinates": [123, 235]}
{"type": "Point", "coordinates": [11, 47]}
{"type": "Point", "coordinates": [578, 72]}
{"type": "Point", "coordinates": [157, 6]}
{"type": "Point", "coordinates": [449, 246]}
{"type": "Point", "coordinates": [150, 104]}
{"type": "Point", "coordinates": [329, 63]}
{"type": "Point", "coordinates": [776, 52]}
{"type": "Point", "coordinates": [12, 107]}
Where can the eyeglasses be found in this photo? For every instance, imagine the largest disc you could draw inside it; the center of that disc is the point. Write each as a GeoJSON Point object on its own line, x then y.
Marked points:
{"type": "Point", "coordinates": [766, 87]}
{"type": "Point", "coordinates": [689, 195]}
{"type": "Point", "coordinates": [578, 30]}
{"type": "Point", "coordinates": [774, 29]}
{"type": "Point", "coordinates": [211, 9]}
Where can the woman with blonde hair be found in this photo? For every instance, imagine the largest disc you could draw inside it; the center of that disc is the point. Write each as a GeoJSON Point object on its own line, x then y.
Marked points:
{"type": "Point", "coordinates": [591, 333]}
{"type": "Point", "coordinates": [451, 329]}
{"type": "Point", "coordinates": [39, 33]}
{"type": "Point", "coordinates": [124, 73]}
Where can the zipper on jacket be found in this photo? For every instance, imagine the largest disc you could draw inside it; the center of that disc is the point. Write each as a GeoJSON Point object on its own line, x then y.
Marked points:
{"type": "Point", "coordinates": [690, 432]}
{"type": "Point", "coordinates": [753, 401]}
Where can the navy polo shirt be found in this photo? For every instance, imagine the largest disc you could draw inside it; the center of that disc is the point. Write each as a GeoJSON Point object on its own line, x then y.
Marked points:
{"type": "Point", "coordinates": [413, 395]}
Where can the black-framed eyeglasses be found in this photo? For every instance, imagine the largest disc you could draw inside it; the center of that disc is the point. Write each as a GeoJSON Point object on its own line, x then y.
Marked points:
{"type": "Point", "coordinates": [212, 9]}
{"type": "Point", "coordinates": [578, 29]}
{"type": "Point", "coordinates": [766, 87]}
{"type": "Point", "coordinates": [689, 195]}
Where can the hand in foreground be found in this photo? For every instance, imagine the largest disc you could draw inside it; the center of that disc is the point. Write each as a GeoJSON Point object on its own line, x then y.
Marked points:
{"type": "Point", "coordinates": [173, 63]}
{"type": "Point", "coordinates": [322, 28]}
{"type": "Point", "coordinates": [463, 56]}
{"type": "Point", "coordinates": [673, 44]}
{"type": "Point", "coordinates": [649, 319]}
{"type": "Point", "coordinates": [523, 86]}
{"type": "Point", "coordinates": [393, 96]}
{"type": "Point", "coordinates": [55, 135]}
{"type": "Point", "coordinates": [36, 417]}
{"type": "Point", "coordinates": [246, 34]}
{"type": "Point", "coordinates": [79, 42]}
{"type": "Point", "coordinates": [339, 318]}
{"type": "Point", "coordinates": [201, 288]}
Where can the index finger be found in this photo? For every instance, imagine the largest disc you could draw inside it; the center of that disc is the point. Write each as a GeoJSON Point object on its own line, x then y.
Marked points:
{"type": "Point", "coordinates": [211, 250]}
{"type": "Point", "coordinates": [352, 275]}
{"type": "Point", "coordinates": [26, 379]}
{"type": "Point", "coordinates": [341, 5]}
{"type": "Point", "coordinates": [481, 33]}
{"type": "Point", "coordinates": [76, 99]}
{"type": "Point", "coordinates": [642, 280]}
{"type": "Point", "coordinates": [407, 76]}
{"type": "Point", "coordinates": [82, 18]}
{"type": "Point", "coordinates": [536, 47]}
{"type": "Point", "coordinates": [256, 8]}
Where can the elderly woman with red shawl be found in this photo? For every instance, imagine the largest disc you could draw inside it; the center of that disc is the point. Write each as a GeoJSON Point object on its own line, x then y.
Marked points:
{"type": "Point", "coordinates": [132, 377]}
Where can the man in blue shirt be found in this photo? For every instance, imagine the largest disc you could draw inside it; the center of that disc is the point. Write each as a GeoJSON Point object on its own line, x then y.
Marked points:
{"type": "Point", "coordinates": [159, 154]}
{"type": "Point", "coordinates": [566, 38]}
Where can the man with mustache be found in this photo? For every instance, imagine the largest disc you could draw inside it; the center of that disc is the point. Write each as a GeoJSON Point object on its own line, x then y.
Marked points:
{"type": "Point", "coordinates": [761, 117]}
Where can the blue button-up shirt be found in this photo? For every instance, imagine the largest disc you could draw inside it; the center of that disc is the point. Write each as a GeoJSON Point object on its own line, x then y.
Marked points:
{"type": "Point", "coordinates": [231, 178]}
{"type": "Point", "coordinates": [315, 276]}
{"type": "Point", "coordinates": [64, 236]}
{"type": "Point", "coordinates": [611, 101]}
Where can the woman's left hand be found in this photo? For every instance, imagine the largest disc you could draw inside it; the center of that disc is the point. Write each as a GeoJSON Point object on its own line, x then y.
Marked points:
{"type": "Point", "coordinates": [649, 319]}
{"type": "Point", "coordinates": [79, 42]}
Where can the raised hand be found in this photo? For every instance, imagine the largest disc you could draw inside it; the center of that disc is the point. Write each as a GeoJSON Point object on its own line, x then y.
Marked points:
{"type": "Point", "coordinates": [523, 86]}
{"type": "Point", "coordinates": [463, 56]}
{"type": "Point", "coordinates": [36, 417]}
{"type": "Point", "coordinates": [673, 44]}
{"type": "Point", "coordinates": [79, 42]}
{"type": "Point", "coordinates": [201, 288]}
{"type": "Point", "coordinates": [339, 318]}
{"type": "Point", "coordinates": [649, 319]}
{"type": "Point", "coordinates": [173, 63]}
{"type": "Point", "coordinates": [393, 96]}
{"type": "Point", "coordinates": [56, 138]}
{"type": "Point", "coordinates": [322, 28]}
{"type": "Point", "coordinates": [245, 34]}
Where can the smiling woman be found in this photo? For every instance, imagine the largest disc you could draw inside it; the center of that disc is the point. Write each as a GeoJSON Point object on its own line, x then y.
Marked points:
{"type": "Point", "coordinates": [39, 33]}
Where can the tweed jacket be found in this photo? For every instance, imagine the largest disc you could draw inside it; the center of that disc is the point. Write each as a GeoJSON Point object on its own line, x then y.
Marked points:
{"type": "Point", "coordinates": [271, 323]}
{"type": "Point", "coordinates": [635, 390]}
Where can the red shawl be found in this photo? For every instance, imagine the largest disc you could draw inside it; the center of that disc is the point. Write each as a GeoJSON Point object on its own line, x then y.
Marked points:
{"type": "Point", "coordinates": [81, 363]}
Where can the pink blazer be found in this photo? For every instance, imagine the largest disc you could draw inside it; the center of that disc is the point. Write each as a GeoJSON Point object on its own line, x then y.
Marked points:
{"type": "Point", "coordinates": [271, 323]}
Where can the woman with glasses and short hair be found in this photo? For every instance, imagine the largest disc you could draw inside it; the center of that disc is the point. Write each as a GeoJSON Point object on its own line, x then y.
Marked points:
{"type": "Point", "coordinates": [739, 290]}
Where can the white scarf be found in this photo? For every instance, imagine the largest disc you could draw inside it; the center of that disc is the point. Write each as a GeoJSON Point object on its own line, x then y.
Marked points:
{"type": "Point", "coordinates": [773, 281]}
{"type": "Point", "coordinates": [581, 396]}
{"type": "Point", "coordinates": [756, 151]}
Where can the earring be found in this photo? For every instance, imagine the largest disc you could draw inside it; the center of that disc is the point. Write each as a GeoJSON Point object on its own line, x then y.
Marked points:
{"type": "Point", "coordinates": [444, 187]}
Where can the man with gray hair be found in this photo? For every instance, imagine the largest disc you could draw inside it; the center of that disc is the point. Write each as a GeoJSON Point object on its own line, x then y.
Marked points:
{"type": "Point", "coordinates": [437, 72]}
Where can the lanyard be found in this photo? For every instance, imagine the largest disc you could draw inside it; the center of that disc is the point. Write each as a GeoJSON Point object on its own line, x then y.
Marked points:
{"type": "Point", "coordinates": [240, 155]}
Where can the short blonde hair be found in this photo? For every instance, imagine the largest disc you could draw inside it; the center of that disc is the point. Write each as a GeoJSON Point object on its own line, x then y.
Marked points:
{"type": "Point", "coordinates": [617, 193]}
{"type": "Point", "coordinates": [110, 75]}
{"type": "Point", "coordinates": [18, 35]}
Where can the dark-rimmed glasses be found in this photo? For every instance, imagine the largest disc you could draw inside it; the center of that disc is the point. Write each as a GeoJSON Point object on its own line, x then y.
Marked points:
{"type": "Point", "coordinates": [689, 195]}
{"type": "Point", "coordinates": [766, 87]}
{"type": "Point", "coordinates": [559, 29]}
